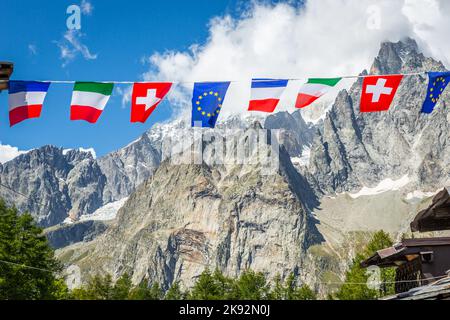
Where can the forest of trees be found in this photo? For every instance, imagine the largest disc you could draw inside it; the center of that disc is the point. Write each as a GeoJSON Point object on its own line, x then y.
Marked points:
{"type": "Point", "coordinates": [209, 286]}
{"type": "Point", "coordinates": [29, 270]}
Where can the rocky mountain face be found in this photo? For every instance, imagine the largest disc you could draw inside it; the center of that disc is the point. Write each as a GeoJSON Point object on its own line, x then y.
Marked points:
{"type": "Point", "coordinates": [296, 134]}
{"type": "Point", "coordinates": [188, 216]}
{"type": "Point", "coordinates": [128, 167]}
{"type": "Point", "coordinates": [356, 149]}
{"type": "Point", "coordinates": [80, 231]}
{"type": "Point", "coordinates": [52, 184]}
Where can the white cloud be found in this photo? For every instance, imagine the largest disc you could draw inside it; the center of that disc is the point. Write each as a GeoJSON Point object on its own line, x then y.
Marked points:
{"type": "Point", "coordinates": [86, 7]}
{"type": "Point", "coordinates": [8, 152]}
{"type": "Point", "coordinates": [32, 49]}
{"type": "Point", "coordinates": [324, 38]}
{"type": "Point", "coordinates": [429, 19]}
{"type": "Point", "coordinates": [71, 46]}
{"type": "Point", "coordinates": [125, 93]}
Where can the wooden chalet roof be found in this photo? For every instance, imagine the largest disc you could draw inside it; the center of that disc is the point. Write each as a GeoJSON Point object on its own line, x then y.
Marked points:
{"type": "Point", "coordinates": [403, 251]}
{"type": "Point", "coordinates": [437, 216]}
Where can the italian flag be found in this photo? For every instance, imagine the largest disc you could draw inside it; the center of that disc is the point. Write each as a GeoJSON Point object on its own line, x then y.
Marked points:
{"type": "Point", "coordinates": [313, 89]}
{"type": "Point", "coordinates": [89, 99]}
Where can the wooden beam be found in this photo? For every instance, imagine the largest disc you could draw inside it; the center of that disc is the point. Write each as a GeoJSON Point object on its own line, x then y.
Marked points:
{"type": "Point", "coordinates": [6, 70]}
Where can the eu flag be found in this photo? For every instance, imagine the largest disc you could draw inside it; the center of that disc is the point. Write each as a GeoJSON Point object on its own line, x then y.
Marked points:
{"type": "Point", "coordinates": [436, 86]}
{"type": "Point", "coordinates": [207, 101]}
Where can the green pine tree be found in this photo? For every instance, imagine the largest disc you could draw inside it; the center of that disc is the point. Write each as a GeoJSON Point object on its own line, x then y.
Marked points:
{"type": "Point", "coordinates": [251, 286]}
{"type": "Point", "coordinates": [278, 291]}
{"type": "Point", "coordinates": [140, 292]}
{"type": "Point", "coordinates": [146, 292]}
{"type": "Point", "coordinates": [156, 292]}
{"type": "Point", "coordinates": [97, 288]}
{"type": "Point", "coordinates": [122, 288]}
{"type": "Point", "coordinates": [293, 292]}
{"type": "Point", "coordinates": [174, 292]}
{"type": "Point", "coordinates": [206, 288]}
{"type": "Point", "coordinates": [354, 287]}
{"type": "Point", "coordinates": [212, 286]}
{"type": "Point", "coordinates": [22, 244]}
{"type": "Point", "coordinates": [289, 290]}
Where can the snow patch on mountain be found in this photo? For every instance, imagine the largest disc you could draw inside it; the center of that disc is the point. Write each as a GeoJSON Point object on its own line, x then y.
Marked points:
{"type": "Point", "coordinates": [385, 185]}
{"type": "Point", "coordinates": [419, 195]}
{"type": "Point", "coordinates": [81, 149]}
{"type": "Point", "coordinates": [107, 212]}
{"type": "Point", "coordinates": [171, 129]}
{"type": "Point", "coordinates": [132, 142]}
{"type": "Point", "coordinates": [89, 150]}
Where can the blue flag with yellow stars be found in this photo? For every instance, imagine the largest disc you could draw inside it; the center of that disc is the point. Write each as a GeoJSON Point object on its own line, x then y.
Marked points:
{"type": "Point", "coordinates": [436, 86]}
{"type": "Point", "coordinates": [206, 102]}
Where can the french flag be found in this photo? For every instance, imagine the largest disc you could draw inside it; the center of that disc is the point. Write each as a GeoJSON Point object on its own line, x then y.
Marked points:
{"type": "Point", "coordinates": [25, 100]}
{"type": "Point", "coordinates": [265, 94]}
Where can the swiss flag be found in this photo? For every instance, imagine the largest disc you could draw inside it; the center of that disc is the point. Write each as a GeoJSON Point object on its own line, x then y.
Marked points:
{"type": "Point", "coordinates": [378, 92]}
{"type": "Point", "coordinates": [145, 98]}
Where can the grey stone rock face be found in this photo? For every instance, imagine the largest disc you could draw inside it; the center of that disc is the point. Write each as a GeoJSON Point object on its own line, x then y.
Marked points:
{"type": "Point", "coordinates": [64, 235]}
{"type": "Point", "coordinates": [295, 133]}
{"type": "Point", "coordinates": [53, 184]}
{"type": "Point", "coordinates": [45, 179]}
{"type": "Point", "coordinates": [190, 216]}
{"type": "Point", "coordinates": [85, 188]}
{"type": "Point", "coordinates": [354, 149]}
{"type": "Point", "coordinates": [128, 167]}
{"type": "Point", "coordinates": [56, 184]}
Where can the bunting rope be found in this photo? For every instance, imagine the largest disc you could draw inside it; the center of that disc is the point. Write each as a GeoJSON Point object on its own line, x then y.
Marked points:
{"type": "Point", "coordinates": [25, 266]}
{"type": "Point", "coordinates": [233, 81]}
{"type": "Point", "coordinates": [28, 198]}
{"type": "Point", "coordinates": [12, 190]}
{"type": "Point", "coordinates": [89, 98]}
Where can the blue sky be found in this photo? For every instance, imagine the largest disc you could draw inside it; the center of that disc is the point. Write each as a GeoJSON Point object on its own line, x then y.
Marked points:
{"type": "Point", "coordinates": [119, 34]}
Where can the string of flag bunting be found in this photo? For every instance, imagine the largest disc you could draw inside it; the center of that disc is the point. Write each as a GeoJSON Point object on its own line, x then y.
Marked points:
{"type": "Point", "coordinates": [89, 99]}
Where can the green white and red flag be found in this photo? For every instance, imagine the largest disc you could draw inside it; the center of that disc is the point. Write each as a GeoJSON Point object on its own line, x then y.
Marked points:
{"type": "Point", "coordinates": [313, 89]}
{"type": "Point", "coordinates": [89, 100]}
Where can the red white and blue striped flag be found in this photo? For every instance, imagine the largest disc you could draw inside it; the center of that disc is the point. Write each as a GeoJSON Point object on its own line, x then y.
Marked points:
{"type": "Point", "coordinates": [25, 100]}
{"type": "Point", "coordinates": [266, 94]}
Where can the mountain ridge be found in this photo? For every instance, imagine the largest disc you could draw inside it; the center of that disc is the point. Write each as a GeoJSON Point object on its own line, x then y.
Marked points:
{"type": "Point", "coordinates": [364, 136]}
{"type": "Point", "coordinates": [115, 175]}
